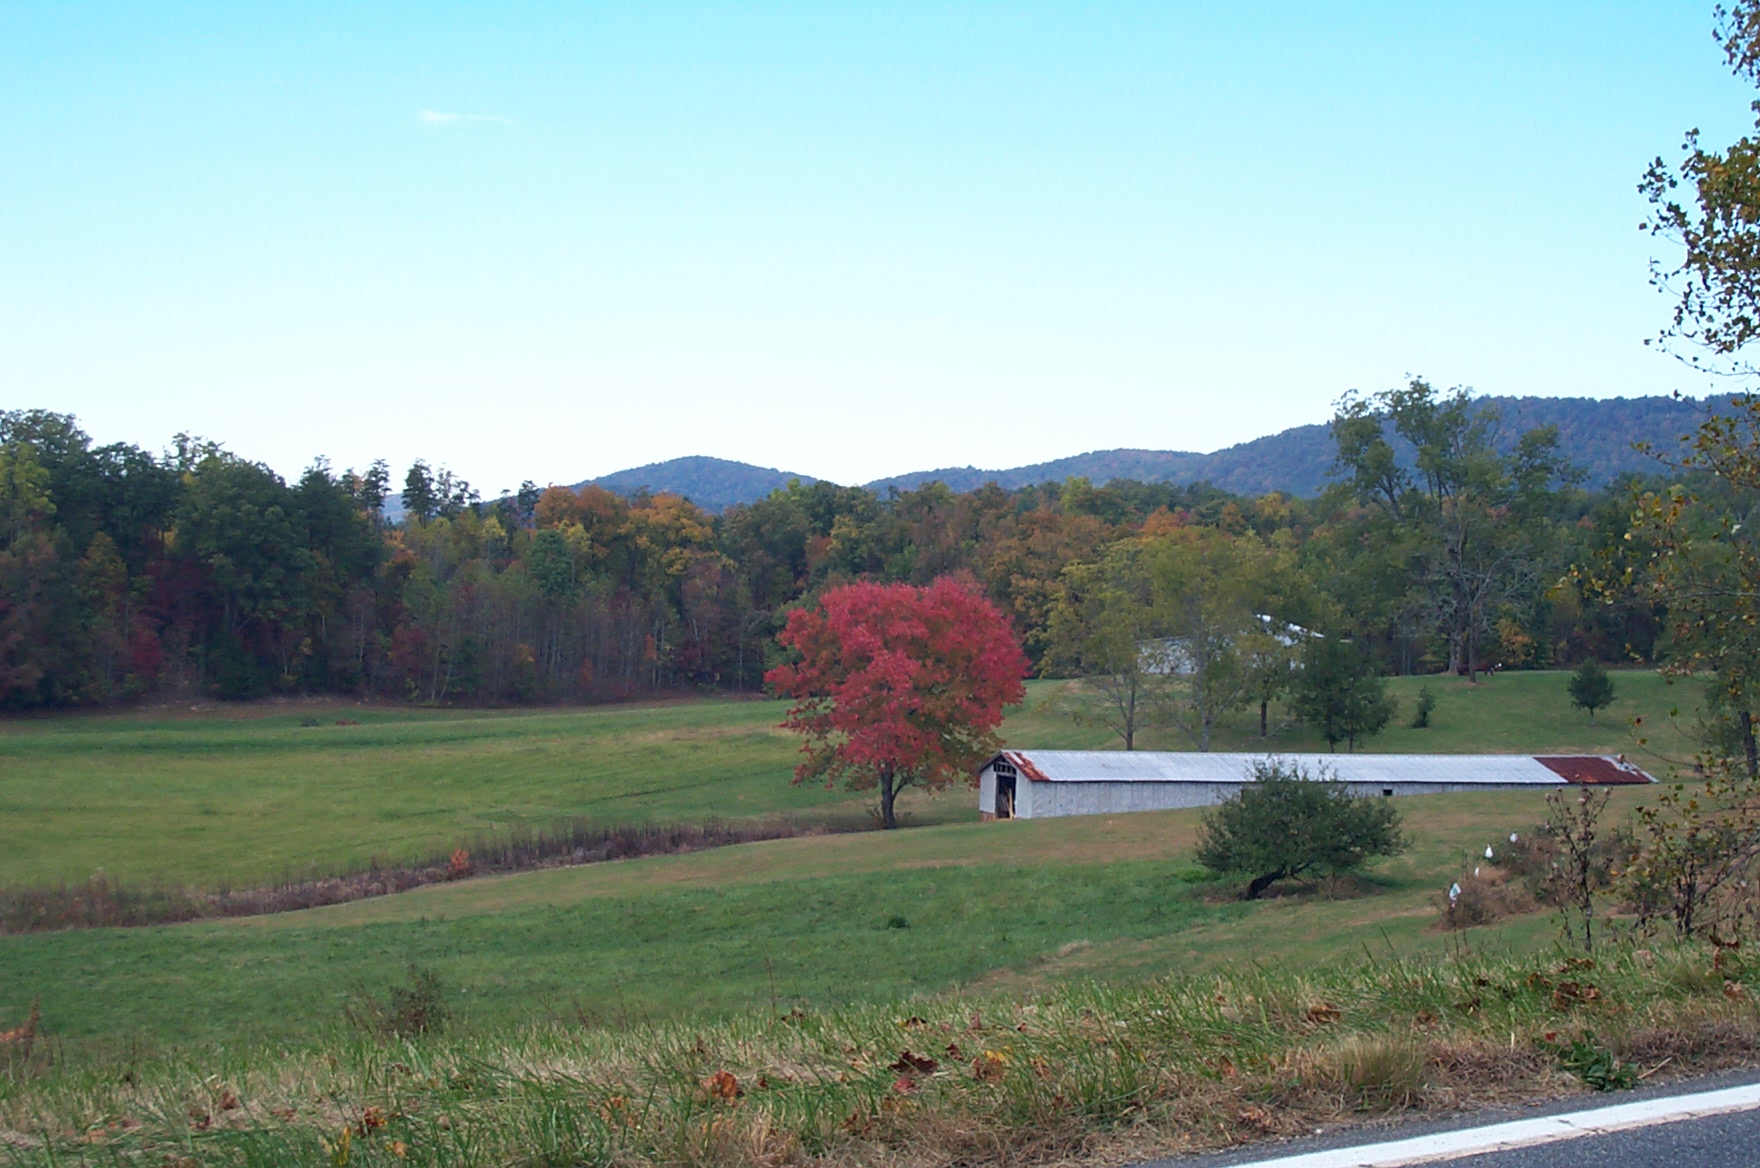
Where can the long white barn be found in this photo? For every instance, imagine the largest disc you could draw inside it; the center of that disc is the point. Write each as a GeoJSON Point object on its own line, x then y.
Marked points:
{"type": "Point", "coordinates": [1038, 784]}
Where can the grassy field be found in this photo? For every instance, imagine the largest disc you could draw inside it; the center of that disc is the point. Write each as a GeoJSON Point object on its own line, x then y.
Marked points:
{"type": "Point", "coordinates": [245, 795]}
{"type": "Point", "coordinates": [250, 794]}
{"type": "Point", "coordinates": [1514, 713]}
{"type": "Point", "coordinates": [1104, 919]}
{"type": "Point", "coordinates": [818, 922]}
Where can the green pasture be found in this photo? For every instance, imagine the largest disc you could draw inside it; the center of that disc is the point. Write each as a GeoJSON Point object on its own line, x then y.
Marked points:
{"type": "Point", "coordinates": [818, 922]}
{"type": "Point", "coordinates": [237, 796]}
{"type": "Point", "coordinates": [249, 795]}
{"type": "Point", "coordinates": [1508, 713]}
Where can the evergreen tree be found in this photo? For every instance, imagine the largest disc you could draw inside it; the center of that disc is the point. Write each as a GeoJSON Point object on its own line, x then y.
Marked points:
{"type": "Point", "coordinates": [419, 498]}
{"type": "Point", "coordinates": [1591, 688]}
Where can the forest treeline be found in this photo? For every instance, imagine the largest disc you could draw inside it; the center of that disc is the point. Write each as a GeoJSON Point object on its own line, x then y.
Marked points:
{"type": "Point", "coordinates": [125, 573]}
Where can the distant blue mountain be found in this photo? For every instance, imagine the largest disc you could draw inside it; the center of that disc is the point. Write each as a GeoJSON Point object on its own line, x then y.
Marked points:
{"type": "Point", "coordinates": [1596, 433]}
{"type": "Point", "coordinates": [713, 484]}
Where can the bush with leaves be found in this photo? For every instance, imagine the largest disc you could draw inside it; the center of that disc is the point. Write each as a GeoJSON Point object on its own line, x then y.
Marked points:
{"type": "Point", "coordinates": [1426, 704]}
{"type": "Point", "coordinates": [406, 1012]}
{"type": "Point", "coordinates": [1697, 848]}
{"type": "Point", "coordinates": [1286, 824]}
{"type": "Point", "coordinates": [1573, 822]}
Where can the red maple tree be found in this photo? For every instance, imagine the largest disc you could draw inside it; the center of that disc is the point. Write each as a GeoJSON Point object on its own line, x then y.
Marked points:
{"type": "Point", "coordinates": [898, 685]}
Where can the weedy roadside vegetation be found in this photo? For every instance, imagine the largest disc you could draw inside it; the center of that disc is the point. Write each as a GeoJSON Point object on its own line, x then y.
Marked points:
{"type": "Point", "coordinates": [1101, 1072]}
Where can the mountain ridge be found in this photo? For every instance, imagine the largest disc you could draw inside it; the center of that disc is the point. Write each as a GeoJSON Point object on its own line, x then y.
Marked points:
{"type": "Point", "coordinates": [1595, 433]}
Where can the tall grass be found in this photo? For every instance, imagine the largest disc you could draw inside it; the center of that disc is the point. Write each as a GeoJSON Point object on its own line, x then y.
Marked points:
{"type": "Point", "coordinates": [1171, 1064]}
{"type": "Point", "coordinates": [102, 902]}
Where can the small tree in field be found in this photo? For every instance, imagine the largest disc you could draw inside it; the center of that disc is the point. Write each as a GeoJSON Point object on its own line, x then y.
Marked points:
{"type": "Point", "coordinates": [1591, 688]}
{"type": "Point", "coordinates": [897, 685]}
{"type": "Point", "coordinates": [1340, 693]}
{"type": "Point", "coordinates": [1285, 824]}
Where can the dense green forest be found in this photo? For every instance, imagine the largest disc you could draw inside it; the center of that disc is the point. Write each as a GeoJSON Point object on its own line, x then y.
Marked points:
{"type": "Point", "coordinates": [125, 574]}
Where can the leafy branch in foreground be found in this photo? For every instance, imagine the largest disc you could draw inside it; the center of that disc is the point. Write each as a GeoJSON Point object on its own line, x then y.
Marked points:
{"type": "Point", "coordinates": [1716, 283]}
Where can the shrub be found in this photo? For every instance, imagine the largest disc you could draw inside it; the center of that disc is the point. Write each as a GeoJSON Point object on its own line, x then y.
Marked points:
{"type": "Point", "coordinates": [408, 1010]}
{"type": "Point", "coordinates": [1286, 824]}
{"type": "Point", "coordinates": [1485, 896]}
{"type": "Point", "coordinates": [1426, 703]}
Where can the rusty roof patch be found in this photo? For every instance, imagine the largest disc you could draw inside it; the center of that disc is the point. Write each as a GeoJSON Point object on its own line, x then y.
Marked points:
{"type": "Point", "coordinates": [1025, 766]}
{"type": "Point", "coordinates": [1593, 770]}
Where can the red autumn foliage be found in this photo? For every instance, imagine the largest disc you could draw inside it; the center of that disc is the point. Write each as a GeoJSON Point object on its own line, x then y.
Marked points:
{"type": "Point", "coordinates": [897, 685]}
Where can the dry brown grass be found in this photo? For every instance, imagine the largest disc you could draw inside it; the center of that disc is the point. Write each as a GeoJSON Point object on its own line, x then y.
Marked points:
{"type": "Point", "coordinates": [1090, 1075]}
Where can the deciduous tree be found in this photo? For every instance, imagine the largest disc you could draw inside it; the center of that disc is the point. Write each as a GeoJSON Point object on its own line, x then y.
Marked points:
{"type": "Point", "coordinates": [1286, 824]}
{"type": "Point", "coordinates": [1207, 589]}
{"type": "Point", "coordinates": [896, 685]}
{"type": "Point", "coordinates": [1474, 518]}
{"type": "Point", "coordinates": [1102, 625]}
{"type": "Point", "coordinates": [1339, 692]}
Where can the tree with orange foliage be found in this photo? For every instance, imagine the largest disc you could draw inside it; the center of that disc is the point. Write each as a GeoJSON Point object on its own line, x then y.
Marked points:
{"type": "Point", "coordinates": [897, 685]}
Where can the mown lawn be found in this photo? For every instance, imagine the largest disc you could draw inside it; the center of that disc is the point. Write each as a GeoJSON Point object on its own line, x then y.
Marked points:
{"type": "Point", "coordinates": [805, 922]}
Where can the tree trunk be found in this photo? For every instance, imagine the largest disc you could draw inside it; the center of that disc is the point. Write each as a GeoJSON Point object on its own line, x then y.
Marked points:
{"type": "Point", "coordinates": [1263, 706]}
{"type": "Point", "coordinates": [1588, 911]}
{"type": "Point", "coordinates": [1467, 647]}
{"type": "Point", "coordinates": [888, 795]}
{"type": "Point", "coordinates": [1261, 883]}
{"type": "Point", "coordinates": [1749, 749]}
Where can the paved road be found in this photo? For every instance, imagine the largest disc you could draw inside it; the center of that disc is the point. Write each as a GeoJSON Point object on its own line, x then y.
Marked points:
{"type": "Point", "coordinates": [1728, 1140]}
{"type": "Point", "coordinates": [1720, 1141]}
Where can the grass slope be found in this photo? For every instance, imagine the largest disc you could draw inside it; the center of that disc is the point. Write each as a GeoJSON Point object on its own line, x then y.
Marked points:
{"type": "Point", "coordinates": [802, 921]}
{"type": "Point", "coordinates": [1509, 713]}
{"type": "Point", "coordinates": [250, 796]}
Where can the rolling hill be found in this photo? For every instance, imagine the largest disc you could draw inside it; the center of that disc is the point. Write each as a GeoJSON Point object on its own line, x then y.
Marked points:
{"type": "Point", "coordinates": [714, 484]}
{"type": "Point", "coordinates": [1597, 434]}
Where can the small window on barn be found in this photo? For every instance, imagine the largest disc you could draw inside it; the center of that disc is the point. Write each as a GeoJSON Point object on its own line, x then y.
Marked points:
{"type": "Point", "coordinates": [1003, 770]}
{"type": "Point", "coordinates": [1387, 792]}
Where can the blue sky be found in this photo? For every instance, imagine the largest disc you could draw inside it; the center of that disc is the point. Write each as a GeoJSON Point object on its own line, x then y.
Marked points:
{"type": "Point", "coordinates": [551, 241]}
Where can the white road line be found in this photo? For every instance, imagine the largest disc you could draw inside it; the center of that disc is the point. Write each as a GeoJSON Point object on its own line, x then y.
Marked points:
{"type": "Point", "coordinates": [1524, 1133]}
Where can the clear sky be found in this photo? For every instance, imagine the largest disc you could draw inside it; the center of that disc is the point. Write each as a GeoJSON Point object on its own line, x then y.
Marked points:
{"type": "Point", "coordinates": [550, 241]}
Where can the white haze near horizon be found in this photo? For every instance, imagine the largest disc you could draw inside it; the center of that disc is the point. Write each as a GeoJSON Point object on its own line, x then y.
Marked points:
{"type": "Point", "coordinates": [846, 243]}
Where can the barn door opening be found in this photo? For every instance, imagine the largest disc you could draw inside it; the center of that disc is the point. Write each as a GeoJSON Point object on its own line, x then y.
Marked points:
{"type": "Point", "coordinates": [1004, 791]}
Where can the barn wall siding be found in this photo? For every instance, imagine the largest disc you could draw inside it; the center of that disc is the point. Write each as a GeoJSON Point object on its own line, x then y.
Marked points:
{"type": "Point", "coordinates": [1036, 800]}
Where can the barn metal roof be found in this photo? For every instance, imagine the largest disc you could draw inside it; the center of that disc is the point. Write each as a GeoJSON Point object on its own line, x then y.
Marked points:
{"type": "Point", "coordinates": [1155, 766]}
